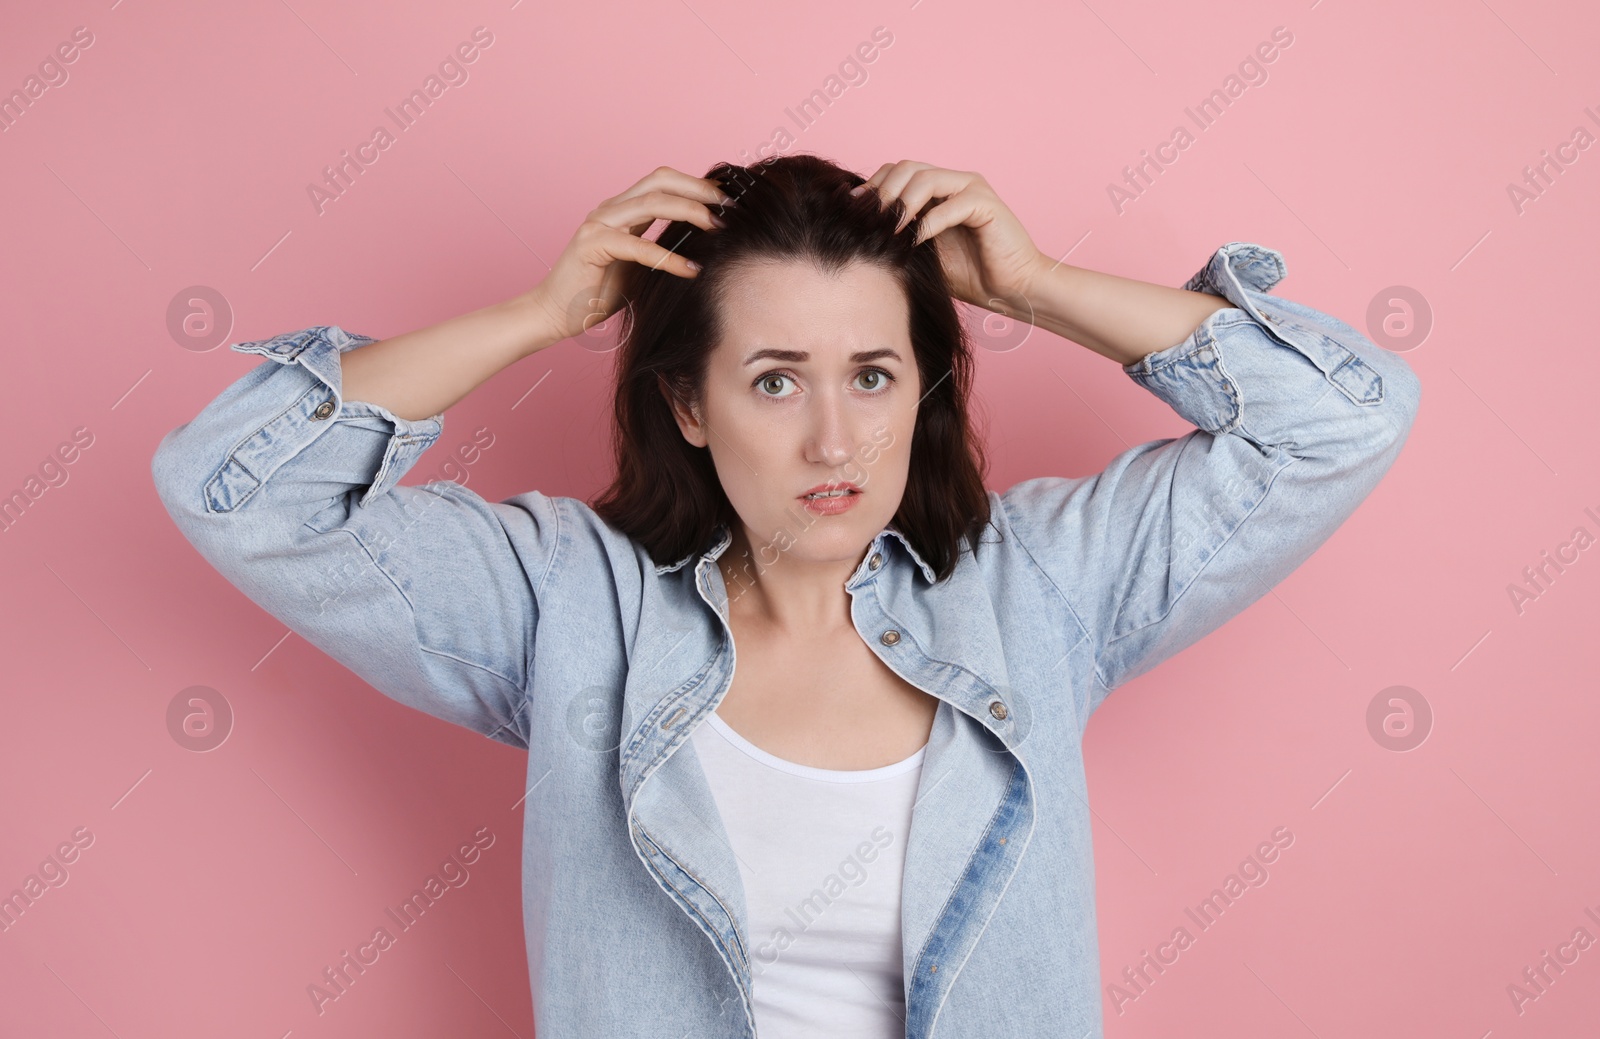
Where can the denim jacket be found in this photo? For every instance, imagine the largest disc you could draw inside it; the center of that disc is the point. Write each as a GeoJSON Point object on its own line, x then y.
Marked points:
{"type": "Point", "coordinates": [535, 623]}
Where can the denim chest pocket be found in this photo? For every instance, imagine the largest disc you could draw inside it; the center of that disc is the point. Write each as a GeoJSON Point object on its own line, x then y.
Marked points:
{"type": "Point", "coordinates": [1306, 330]}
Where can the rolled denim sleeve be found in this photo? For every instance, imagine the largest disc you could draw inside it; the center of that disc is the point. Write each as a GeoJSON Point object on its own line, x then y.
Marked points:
{"type": "Point", "coordinates": [1297, 417]}
{"type": "Point", "coordinates": [291, 493]}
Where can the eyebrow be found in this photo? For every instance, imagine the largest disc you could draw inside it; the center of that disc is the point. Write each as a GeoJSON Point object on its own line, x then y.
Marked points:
{"type": "Point", "coordinates": [799, 356]}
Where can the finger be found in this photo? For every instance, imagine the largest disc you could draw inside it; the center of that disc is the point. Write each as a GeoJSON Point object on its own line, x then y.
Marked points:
{"type": "Point", "coordinates": [894, 182]}
{"type": "Point", "coordinates": [637, 213]}
{"type": "Point", "coordinates": [619, 245]}
{"type": "Point", "coordinates": [931, 182]}
{"type": "Point", "coordinates": [665, 178]}
{"type": "Point", "coordinates": [958, 209]}
{"type": "Point", "coordinates": [872, 182]}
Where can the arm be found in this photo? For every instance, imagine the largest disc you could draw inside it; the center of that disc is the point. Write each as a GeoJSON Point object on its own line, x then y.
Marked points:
{"type": "Point", "coordinates": [423, 373]}
{"type": "Point", "coordinates": [1298, 416]}
{"type": "Point", "coordinates": [990, 261]}
{"type": "Point", "coordinates": [287, 486]}
{"type": "Point", "coordinates": [1119, 318]}
{"type": "Point", "coordinates": [287, 482]}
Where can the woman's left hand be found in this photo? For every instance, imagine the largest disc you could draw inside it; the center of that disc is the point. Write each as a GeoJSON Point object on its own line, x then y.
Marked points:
{"type": "Point", "coordinates": [987, 256]}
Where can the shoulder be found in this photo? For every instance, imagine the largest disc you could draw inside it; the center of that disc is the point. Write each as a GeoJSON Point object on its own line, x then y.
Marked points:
{"type": "Point", "coordinates": [1005, 542]}
{"type": "Point", "coordinates": [584, 550]}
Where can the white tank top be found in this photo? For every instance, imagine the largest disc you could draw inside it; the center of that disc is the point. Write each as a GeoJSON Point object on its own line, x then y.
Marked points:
{"type": "Point", "coordinates": [820, 853]}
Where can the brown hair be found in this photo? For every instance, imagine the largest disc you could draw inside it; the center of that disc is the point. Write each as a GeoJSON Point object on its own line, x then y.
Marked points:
{"type": "Point", "coordinates": [666, 494]}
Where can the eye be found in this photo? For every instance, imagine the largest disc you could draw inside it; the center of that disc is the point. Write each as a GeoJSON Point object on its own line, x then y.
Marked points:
{"type": "Point", "coordinates": [767, 381]}
{"type": "Point", "coordinates": [774, 381]}
{"type": "Point", "coordinates": [878, 376]}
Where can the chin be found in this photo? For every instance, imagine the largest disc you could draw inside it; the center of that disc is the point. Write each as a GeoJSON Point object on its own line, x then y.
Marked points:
{"type": "Point", "coordinates": [805, 533]}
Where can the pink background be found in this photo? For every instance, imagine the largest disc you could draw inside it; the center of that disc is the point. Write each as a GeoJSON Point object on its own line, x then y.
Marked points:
{"type": "Point", "coordinates": [1379, 151]}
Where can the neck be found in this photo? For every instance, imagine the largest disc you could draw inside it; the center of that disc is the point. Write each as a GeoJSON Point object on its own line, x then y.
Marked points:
{"type": "Point", "coordinates": [779, 591]}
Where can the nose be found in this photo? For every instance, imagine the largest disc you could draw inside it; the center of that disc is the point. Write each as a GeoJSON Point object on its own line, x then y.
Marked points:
{"type": "Point", "coordinates": [829, 441]}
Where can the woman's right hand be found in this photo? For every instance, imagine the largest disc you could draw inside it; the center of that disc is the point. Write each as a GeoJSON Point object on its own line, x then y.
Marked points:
{"type": "Point", "coordinates": [582, 290]}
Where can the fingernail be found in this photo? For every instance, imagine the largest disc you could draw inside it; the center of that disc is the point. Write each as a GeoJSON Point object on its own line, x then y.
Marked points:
{"type": "Point", "coordinates": [692, 265]}
{"type": "Point", "coordinates": [717, 220]}
{"type": "Point", "coordinates": [858, 189]}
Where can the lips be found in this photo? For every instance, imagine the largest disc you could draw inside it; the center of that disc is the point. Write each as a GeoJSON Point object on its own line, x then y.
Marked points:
{"type": "Point", "coordinates": [833, 490]}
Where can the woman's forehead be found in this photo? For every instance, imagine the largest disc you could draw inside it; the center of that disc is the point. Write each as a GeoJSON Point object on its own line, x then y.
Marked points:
{"type": "Point", "coordinates": [797, 307]}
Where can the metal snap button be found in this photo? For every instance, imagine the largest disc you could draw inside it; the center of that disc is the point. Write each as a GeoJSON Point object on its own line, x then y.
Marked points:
{"type": "Point", "coordinates": [876, 561]}
{"type": "Point", "coordinates": [323, 410]}
{"type": "Point", "coordinates": [890, 637]}
{"type": "Point", "coordinates": [998, 709]}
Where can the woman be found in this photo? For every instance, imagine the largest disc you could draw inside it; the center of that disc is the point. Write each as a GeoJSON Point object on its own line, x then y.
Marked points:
{"type": "Point", "coordinates": [876, 825]}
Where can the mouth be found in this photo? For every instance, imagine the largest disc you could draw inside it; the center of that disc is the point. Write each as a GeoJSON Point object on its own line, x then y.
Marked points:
{"type": "Point", "coordinates": [825, 491]}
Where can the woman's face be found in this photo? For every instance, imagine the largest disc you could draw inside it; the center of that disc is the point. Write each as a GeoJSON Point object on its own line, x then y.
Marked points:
{"type": "Point", "coordinates": [814, 382]}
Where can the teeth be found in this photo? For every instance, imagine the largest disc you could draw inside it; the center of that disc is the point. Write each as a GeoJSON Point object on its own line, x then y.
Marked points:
{"type": "Point", "coordinates": [829, 494]}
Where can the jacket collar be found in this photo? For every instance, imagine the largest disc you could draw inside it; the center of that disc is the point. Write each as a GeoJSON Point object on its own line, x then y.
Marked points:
{"type": "Point", "coordinates": [724, 537]}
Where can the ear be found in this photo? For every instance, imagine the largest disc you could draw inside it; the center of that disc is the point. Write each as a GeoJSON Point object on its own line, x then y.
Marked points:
{"type": "Point", "coordinates": [688, 418]}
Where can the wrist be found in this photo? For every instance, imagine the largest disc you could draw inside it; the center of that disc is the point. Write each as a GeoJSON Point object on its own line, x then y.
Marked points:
{"type": "Point", "coordinates": [1054, 294]}
{"type": "Point", "coordinates": [537, 326]}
